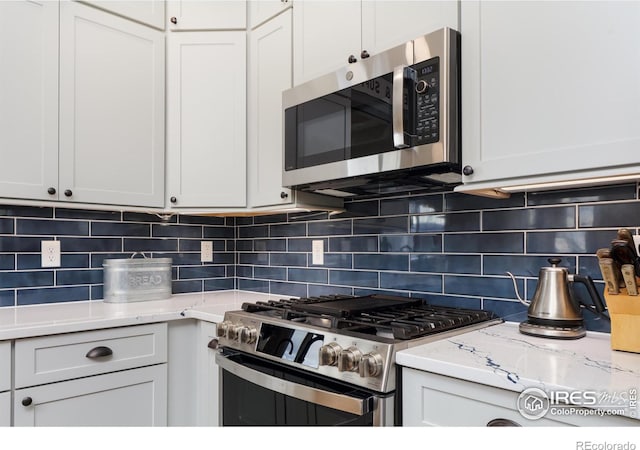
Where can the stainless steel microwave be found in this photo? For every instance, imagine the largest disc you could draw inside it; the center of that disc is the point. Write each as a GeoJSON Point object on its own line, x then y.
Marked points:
{"type": "Point", "coordinates": [383, 125]}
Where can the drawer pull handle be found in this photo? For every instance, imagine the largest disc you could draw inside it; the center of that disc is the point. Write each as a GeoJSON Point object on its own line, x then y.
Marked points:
{"type": "Point", "coordinates": [213, 344]}
{"type": "Point", "coordinates": [99, 352]}
{"type": "Point", "coordinates": [500, 422]}
{"type": "Point", "coordinates": [27, 401]}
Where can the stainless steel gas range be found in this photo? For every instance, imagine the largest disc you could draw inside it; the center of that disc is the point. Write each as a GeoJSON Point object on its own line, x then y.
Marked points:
{"type": "Point", "coordinates": [326, 360]}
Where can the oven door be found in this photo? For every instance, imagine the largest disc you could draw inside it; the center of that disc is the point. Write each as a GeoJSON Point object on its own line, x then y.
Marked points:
{"type": "Point", "coordinates": [257, 392]}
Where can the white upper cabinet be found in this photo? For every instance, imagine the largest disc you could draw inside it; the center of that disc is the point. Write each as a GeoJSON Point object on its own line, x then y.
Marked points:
{"type": "Point", "coordinates": [263, 10]}
{"type": "Point", "coordinates": [387, 23]}
{"type": "Point", "coordinates": [111, 109]}
{"type": "Point", "coordinates": [332, 34]}
{"type": "Point", "coordinates": [550, 91]}
{"type": "Point", "coordinates": [150, 12]}
{"type": "Point", "coordinates": [29, 99]}
{"type": "Point", "coordinates": [206, 119]}
{"type": "Point", "coordinates": [206, 15]}
{"type": "Point", "coordinates": [269, 75]}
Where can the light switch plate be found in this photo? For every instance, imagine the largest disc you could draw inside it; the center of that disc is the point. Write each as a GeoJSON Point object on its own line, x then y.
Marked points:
{"type": "Point", "coordinates": [317, 252]}
{"type": "Point", "coordinates": [50, 254]}
{"type": "Point", "coordinates": [206, 251]}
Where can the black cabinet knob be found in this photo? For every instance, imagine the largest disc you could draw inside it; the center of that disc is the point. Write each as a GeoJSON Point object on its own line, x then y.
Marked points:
{"type": "Point", "coordinates": [283, 195]}
{"type": "Point", "coordinates": [365, 54]}
{"type": "Point", "coordinates": [213, 344]}
{"type": "Point", "coordinates": [51, 190]}
{"type": "Point", "coordinates": [173, 200]}
{"type": "Point", "coordinates": [352, 59]}
{"type": "Point", "coordinates": [27, 401]}
{"type": "Point", "coordinates": [174, 20]}
{"type": "Point", "coordinates": [68, 193]}
{"type": "Point", "coordinates": [467, 170]}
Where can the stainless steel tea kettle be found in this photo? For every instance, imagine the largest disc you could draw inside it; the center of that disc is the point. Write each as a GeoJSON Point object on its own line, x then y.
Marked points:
{"type": "Point", "coordinates": [553, 311]}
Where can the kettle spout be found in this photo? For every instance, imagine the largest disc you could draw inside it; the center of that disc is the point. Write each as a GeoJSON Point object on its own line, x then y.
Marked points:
{"type": "Point", "coordinates": [515, 287]}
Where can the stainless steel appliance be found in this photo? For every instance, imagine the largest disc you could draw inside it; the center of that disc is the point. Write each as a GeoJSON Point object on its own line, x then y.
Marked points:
{"type": "Point", "coordinates": [386, 124]}
{"type": "Point", "coordinates": [553, 311]}
{"type": "Point", "coordinates": [325, 360]}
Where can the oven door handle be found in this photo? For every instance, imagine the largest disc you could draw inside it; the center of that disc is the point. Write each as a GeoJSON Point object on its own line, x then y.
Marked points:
{"type": "Point", "coordinates": [340, 402]}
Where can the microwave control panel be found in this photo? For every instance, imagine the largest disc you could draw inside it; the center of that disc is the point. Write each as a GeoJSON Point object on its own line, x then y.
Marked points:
{"type": "Point", "coordinates": [426, 102]}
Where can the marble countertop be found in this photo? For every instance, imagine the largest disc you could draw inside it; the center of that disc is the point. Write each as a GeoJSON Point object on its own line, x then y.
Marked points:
{"type": "Point", "coordinates": [37, 320]}
{"type": "Point", "coordinates": [502, 357]}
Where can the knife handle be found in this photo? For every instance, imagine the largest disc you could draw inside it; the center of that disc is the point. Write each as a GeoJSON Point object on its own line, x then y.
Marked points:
{"type": "Point", "coordinates": [629, 275]}
{"type": "Point", "coordinates": [608, 269]}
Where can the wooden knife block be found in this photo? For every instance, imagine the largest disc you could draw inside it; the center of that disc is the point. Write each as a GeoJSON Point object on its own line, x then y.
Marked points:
{"type": "Point", "coordinates": [624, 311]}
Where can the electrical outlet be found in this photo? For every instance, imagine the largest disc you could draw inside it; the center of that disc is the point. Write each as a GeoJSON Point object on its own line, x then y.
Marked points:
{"type": "Point", "coordinates": [50, 254]}
{"type": "Point", "coordinates": [206, 251]}
{"type": "Point", "coordinates": [317, 252]}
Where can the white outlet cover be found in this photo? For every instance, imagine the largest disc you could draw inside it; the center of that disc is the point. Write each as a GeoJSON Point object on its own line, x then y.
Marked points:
{"type": "Point", "coordinates": [206, 251]}
{"type": "Point", "coordinates": [50, 256]}
{"type": "Point", "coordinates": [317, 252]}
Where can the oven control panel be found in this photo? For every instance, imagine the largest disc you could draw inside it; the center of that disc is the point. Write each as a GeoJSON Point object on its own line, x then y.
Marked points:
{"type": "Point", "coordinates": [362, 362]}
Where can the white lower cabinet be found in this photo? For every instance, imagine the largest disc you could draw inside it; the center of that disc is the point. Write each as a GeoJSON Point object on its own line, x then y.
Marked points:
{"type": "Point", "coordinates": [134, 397]}
{"type": "Point", "coordinates": [112, 377]}
{"type": "Point", "coordinates": [5, 384]}
{"type": "Point", "coordinates": [208, 385]}
{"type": "Point", "coordinates": [5, 409]}
{"type": "Point", "coordinates": [430, 399]}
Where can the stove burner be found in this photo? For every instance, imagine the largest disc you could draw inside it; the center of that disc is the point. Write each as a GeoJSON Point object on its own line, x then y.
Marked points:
{"type": "Point", "coordinates": [382, 315]}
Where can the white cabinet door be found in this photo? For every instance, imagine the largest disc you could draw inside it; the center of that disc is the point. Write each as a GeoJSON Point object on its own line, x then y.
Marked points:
{"type": "Point", "coordinates": [111, 109]}
{"type": "Point", "coordinates": [325, 34]}
{"type": "Point", "coordinates": [549, 89]}
{"type": "Point", "coordinates": [269, 75]}
{"type": "Point", "coordinates": [28, 99]}
{"type": "Point", "coordinates": [150, 12]}
{"type": "Point", "coordinates": [136, 397]}
{"type": "Point", "coordinates": [207, 15]}
{"type": "Point", "coordinates": [5, 409]}
{"type": "Point", "coordinates": [208, 374]}
{"type": "Point", "coordinates": [206, 153]}
{"type": "Point", "coordinates": [263, 10]}
{"type": "Point", "coordinates": [388, 23]}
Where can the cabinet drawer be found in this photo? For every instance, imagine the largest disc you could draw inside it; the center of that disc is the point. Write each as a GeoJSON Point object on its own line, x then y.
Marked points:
{"type": "Point", "coordinates": [5, 366]}
{"type": "Point", "coordinates": [62, 357]}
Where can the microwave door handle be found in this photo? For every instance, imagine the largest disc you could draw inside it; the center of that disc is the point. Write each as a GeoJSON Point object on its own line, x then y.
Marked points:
{"type": "Point", "coordinates": [309, 394]}
{"type": "Point", "coordinates": [397, 106]}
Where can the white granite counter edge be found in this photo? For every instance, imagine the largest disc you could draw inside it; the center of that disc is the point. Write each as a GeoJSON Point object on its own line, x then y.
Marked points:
{"type": "Point", "coordinates": [54, 318]}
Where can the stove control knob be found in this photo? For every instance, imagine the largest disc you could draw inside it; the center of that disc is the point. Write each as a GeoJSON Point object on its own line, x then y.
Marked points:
{"type": "Point", "coordinates": [247, 335]}
{"type": "Point", "coordinates": [232, 332]}
{"type": "Point", "coordinates": [328, 354]}
{"type": "Point", "coordinates": [371, 365]}
{"type": "Point", "coordinates": [222, 328]}
{"type": "Point", "coordinates": [349, 360]}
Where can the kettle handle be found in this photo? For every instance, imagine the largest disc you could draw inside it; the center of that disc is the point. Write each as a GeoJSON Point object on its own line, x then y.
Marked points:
{"type": "Point", "coordinates": [593, 292]}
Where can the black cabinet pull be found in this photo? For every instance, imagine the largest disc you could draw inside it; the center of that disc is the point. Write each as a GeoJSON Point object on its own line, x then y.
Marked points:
{"type": "Point", "coordinates": [213, 344]}
{"type": "Point", "coordinates": [283, 195]}
{"type": "Point", "coordinates": [99, 352]}
{"type": "Point", "coordinates": [173, 200]}
{"type": "Point", "coordinates": [51, 190]}
{"type": "Point", "coordinates": [365, 54]}
{"type": "Point", "coordinates": [174, 20]}
{"type": "Point", "coordinates": [68, 193]}
{"type": "Point", "coordinates": [467, 170]}
{"type": "Point", "coordinates": [352, 59]}
{"type": "Point", "coordinates": [27, 401]}
{"type": "Point", "coordinates": [500, 422]}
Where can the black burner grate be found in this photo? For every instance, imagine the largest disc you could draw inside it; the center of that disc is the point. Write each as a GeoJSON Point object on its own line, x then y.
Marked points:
{"type": "Point", "coordinates": [400, 317]}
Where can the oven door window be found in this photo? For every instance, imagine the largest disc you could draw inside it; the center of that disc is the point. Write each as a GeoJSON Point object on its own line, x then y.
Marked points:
{"type": "Point", "coordinates": [245, 403]}
{"type": "Point", "coordinates": [351, 123]}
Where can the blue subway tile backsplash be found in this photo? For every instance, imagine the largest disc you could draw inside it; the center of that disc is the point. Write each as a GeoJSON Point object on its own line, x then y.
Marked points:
{"type": "Point", "coordinates": [447, 248]}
